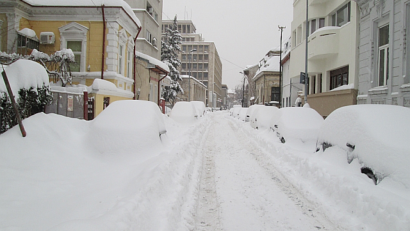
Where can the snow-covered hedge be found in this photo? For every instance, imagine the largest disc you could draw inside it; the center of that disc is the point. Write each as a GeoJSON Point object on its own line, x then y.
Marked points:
{"type": "Point", "coordinates": [29, 84]}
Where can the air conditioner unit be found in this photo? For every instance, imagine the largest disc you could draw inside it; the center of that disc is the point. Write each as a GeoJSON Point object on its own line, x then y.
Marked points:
{"type": "Point", "coordinates": [154, 42]}
{"type": "Point", "coordinates": [47, 38]}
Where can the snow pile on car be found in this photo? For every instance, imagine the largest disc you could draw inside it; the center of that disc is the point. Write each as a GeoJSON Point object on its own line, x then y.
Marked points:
{"type": "Point", "coordinates": [297, 123]}
{"type": "Point", "coordinates": [376, 135]}
{"type": "Point", "coordinates": [126, 126]}
{"type": "Point", "coordinates": [184, 112]}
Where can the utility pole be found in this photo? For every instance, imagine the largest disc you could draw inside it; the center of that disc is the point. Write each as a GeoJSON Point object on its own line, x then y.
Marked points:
{"type": "Point", "coordinates": [243, 88]}
{"type": "Point", "coordinates": [306, 53]}
{"type": "Point", "coordinates": [280, 66]}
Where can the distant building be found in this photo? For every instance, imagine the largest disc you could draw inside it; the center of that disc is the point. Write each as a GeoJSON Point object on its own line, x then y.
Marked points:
{"type": "Point", "coordinates": [384, 52]}
{"type": "Point", "coordinates": [204, 64]}
{"type": "Point", "coordinates": [332, 52]}
{"type": "Point", "coordinates": [148, 47]}
{"type": "Point", "coordinates": [224, 96]}
{"type": "Point", "coordinates": [266, 79]}
{"type": "Point", "coordinates": [197, 91]}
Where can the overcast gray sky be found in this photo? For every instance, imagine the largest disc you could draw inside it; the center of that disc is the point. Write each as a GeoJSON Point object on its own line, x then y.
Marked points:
{"type": "Point", "coordinates": [243, 31]}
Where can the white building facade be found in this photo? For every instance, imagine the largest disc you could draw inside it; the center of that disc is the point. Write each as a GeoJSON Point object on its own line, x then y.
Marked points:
{"type": "Point", "coordinates": [384, 57]}
{"type": "Point", "coordinates": [332, 51]}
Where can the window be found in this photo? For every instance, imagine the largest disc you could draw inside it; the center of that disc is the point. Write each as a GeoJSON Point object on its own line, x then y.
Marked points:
{"type": "Point", "coordinates": [383, 55]}
{"type": "Point", "coordinates": [76, 47]}
{"type": "Point", "coordinates": [408, 45]}
{"type": "Point", "coordinates": [188, 28]}
{"type": "Point", "coordinates": [121, 60]}
{"type": "Point", "coordinates": [194, 67]}
{"type": "Point", "coordinates": [148, 36]}
{"type": "Point", "coordinates": [184, 57]}
{"type": "Point", "coordinates": [313, 26]}
{"type": "Point", "coordinates": [206, 48]}
{"type": "Point", "coordinates": [183, 66]}
{"type": "Point", "coordinates": [74, 36]}
{"type": "Point", "coordinates": [200, 67]}
{"type": "Point", "coordinates": [205, 67]}
{"type": "Point", "coordinates": [314, 85]}
{"type": "Point", "coordinates": [342, 16]}
{"type": "Point", "coordinates": [129, 64]}
{"type": "Point", "coordinates": [339, 77]}
{"type": "Point", "coordinates": [206, 57]}
{"type": "Point", "coordinates": [24, 42]}
{"type": "Point", "coordinates": [299, 35]}
{"type": "Point", "coordinates": [321, 22]}
{"type": "Point", "coordinates": [275, 92]}
{"type": "Point", "coordinates": [184, 48]}
{"type": "Point", "coordinates": [320, 83]}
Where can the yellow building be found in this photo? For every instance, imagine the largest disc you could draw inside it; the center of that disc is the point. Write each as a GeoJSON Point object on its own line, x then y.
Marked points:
{"type": "Point", "coordinates": [102, 38]}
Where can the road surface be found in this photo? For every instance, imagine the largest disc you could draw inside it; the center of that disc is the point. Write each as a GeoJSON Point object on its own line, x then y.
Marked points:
{"type": "Point", "coordinates": [239, 191]}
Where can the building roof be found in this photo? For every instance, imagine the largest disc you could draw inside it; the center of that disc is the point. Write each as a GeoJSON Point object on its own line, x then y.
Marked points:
{"type": "Point", "coordinates": [271, 64]}
{"type": "Point", "coordinates": [86, 3]}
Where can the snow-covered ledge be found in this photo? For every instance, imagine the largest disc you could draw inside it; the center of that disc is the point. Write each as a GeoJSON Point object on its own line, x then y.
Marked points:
{"type": "Point", "coordinates": [104, 87]}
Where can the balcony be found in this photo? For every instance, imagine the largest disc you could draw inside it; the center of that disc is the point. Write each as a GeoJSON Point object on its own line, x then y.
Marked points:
{"type": "Point", "coordinates": [324, 43]}
{"type": "Point", "coordinates": [313, 2]}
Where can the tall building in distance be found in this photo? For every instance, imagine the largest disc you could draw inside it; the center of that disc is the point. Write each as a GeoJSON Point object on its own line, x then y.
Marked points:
{"type": "Point", "coordinates": [200, 59]}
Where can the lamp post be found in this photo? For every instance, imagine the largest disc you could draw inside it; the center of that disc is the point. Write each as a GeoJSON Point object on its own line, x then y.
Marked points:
{"type": "Point", "coordinates": [189, 77]}
{"type": "Point", "coordinates": [280, 66]}
{"type": "Point", "coordinates": [306, 52]}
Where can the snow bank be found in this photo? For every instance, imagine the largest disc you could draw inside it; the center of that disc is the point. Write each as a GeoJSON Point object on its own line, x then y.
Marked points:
{"type": "Point", "coordinates": [376, 135]}
{"type": "Point", "coordinates": [126, 126]}
{"type": "Point", "coordinates": [24, 74]}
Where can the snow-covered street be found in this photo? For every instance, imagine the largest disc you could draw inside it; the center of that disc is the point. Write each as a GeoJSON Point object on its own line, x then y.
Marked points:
{"type": "Point", "coordinates": [239, 191]}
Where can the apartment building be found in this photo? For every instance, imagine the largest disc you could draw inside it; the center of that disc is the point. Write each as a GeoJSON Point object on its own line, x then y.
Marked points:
{"type": "Point", "coordinates": [200, 59]}
{"type": "Point", "coordinates": [194, 90]}
{"type": "Point", "coordinates": [384, 57]}
{"type": "Point", "coordinates": [333, 27]}
{"type": "Point", "coordinates": [148, 46]}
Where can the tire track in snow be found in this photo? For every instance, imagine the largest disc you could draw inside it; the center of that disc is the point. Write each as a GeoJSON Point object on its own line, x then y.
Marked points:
{"type": "Point", "coordinates": [240, 191]}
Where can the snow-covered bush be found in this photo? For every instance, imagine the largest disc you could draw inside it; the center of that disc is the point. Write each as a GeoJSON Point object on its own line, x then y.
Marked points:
{"type": "Point", "coordinates": [29, 84]}
{"type": "Point", "coordinates": [376, 135]}
{"type": "Point", "coordinates": [299, 124]}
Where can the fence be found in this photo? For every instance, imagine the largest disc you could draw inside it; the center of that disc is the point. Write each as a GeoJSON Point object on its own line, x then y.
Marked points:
{"type": "Point", "coordinates": [70, 104]}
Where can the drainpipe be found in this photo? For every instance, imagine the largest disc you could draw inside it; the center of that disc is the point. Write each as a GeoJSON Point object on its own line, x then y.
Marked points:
{"type": "Point", "coordinates": [135, 59]}
{"type": "Point", "coordinates": [103, 46]}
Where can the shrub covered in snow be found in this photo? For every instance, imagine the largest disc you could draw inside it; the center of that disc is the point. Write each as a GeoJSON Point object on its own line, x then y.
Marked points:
{"type": "Point", "coordinates": [29, 84]}
{"type": "Point", "coordinates": [376, 135]}
{"type": "Point", "coordinates": [297, 123]}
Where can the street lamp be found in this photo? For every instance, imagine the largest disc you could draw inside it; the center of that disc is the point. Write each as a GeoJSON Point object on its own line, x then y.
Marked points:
{"type": "Point", "coordinates": [189, 77]}
{"type": "Point", "coordinates": [280, 66]}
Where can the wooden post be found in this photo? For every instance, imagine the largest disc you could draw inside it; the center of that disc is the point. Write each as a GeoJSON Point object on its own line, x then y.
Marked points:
{"type": "Point", "coordinates": [13, 102]}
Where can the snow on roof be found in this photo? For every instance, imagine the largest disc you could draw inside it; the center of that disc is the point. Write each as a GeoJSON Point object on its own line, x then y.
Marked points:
{"type": "Point", "coordinates": [194, 79]}
{"type": "Point", "coordinates": [152, 60]}
{"type": "Point", "coordinates": [28, 33]}
{"type": "Point", "coordinates": [271, 64]}
{"type": "Point", "coordinates": [97, 3]}
{"type": "Point", "coordinates": [25, 74]}
{"type": "Point", "coordinates": [106, 87]}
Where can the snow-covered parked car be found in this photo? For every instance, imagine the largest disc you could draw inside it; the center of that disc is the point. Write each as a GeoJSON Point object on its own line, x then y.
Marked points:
{"type": "Point", "coordinates": [242, 113]}
{"type": "Point", "coordinates": [250, 112]}
{"type": "Point", "coordinates": [200, 107]}
{"type": "Point", "coordinates": [236, 110]}
{"type": "Point", "coordinates": [262, 116]}
{"type": "Point", "coordinates": [299, 124]}
{"type": "Point", "coordinates": [184, 112]}
{"type": "Point", "coordinates": [377, 136]}
{"type": "Point", "coordinates": [126, 126]}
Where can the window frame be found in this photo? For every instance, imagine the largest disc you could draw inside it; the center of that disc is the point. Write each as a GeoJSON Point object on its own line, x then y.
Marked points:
{"type": "Point", "coordinates": [337, 76]}
{"type": "Point", "coordinates": [75, 32]}
{"type": "Point", "coordinates": [383, 56]}
{"type": "Point", "coordinates": [335, 18]}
